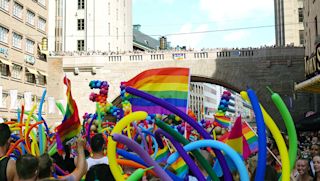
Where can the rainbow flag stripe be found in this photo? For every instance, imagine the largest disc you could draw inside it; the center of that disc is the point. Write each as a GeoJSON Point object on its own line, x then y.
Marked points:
{"type": "Point", "coordinates": [170, 84]}
{"type": "Point", "coordinates": [70, 126]}
{"type": "Point", "coordinates": [223, 121]}
{"type": "Point", "coordinates": [180, 167]}
{"type": "Point", "coordinates": [251, 138]}
{"type": "Point", "coordinates": [162, 154]}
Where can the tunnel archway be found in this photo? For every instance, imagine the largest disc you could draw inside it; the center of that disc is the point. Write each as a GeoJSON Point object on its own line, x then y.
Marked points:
{"type": "Point", "coordinates": [117, 100]}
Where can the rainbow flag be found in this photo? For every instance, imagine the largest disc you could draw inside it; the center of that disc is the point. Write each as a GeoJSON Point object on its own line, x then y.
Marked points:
{"type": "Point", "coordinates": [169, 84]}
{"type": "Point", "coordinates": [222, 121]}
{"type": "Point", "coordinates": [70, 126]}
{"type": "Point", "coordinates": [235, 139]}
{"type": "Point", "coordinates": [162, 154]}
{"type": "Point", "coordinates": [180, 167]}
{"type": "Point", "coordinates": [251, 137]}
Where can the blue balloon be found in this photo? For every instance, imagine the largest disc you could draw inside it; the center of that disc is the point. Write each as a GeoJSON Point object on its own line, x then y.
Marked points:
{"type": "Point", "coordinates": [262, 152]}
{"type": "Point", "coordinates": [237, 160]}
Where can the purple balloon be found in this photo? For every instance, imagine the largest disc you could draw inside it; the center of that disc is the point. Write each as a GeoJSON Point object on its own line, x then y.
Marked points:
{"type": "Point", "coordinates": [226, 172]}
{"type": "Point", "coordinates": [193, 167]}
{"type": "Point", "coordinates": [143, 154]}
{"type": "Point", "coordinates": [141, 135]}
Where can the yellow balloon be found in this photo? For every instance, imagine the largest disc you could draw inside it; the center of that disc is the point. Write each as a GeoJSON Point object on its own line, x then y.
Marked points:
{"type": "Point", "coordinates": [105, 129]}
{"type": "Point", "coordinates": [33, 149]}
{"type": "Point", "coordinates": [28, 120]}
{"type": "Point", "coordinates": [285, 163]}
{"type": "Point", "coordinates": [124, 122]}
{"type": "Point", "coordinates": [15, 129]}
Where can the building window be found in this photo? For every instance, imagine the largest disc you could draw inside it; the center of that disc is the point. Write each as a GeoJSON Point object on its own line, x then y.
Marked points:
{"type": "Point", "coordinates": [17, 41]}
{"type": "Point", "coordinates": [31, 78]}
{"type": "Point", "coordinates": [29, 46]}
{"type": "Point", "coordinates": [4, 68]}
{"type": "Point", "coordinates": [42, 24]}
{"type": "Point", "coordinates": [109, 8]}
{"type": "Point", "coordinates": [42, 2]}
{"type": "Point", "coordinates": [301, 37]}
{"type": "Point", "coordinates": [80, 44]}
{"type": "Point", "coordinates": [4, 4]}
{"type": "Point", "coordinates": [4, 34]}
{"type": "Point", "coordinates": [300, 12]}
{"type": "Point", "coordinates": [16, 71]}
{"type": "Point", "coordinates": [124, 3]}
{"type": "Point", "coordinates": [30, 17]}
{"type": "Point", "coordinates": [80, 24]}
{"type": "Point", "coordinates": [42, 80]}
{"type": "Point", "coordinates": [17, 10]}
{"type": "Point", "coordinates": [80, 4]}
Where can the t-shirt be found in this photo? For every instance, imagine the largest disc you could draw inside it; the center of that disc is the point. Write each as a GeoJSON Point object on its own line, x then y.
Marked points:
{"type": "Point", "coordinates": [3, 167]}
{"type": "Point", "coordinates": [92, 161]}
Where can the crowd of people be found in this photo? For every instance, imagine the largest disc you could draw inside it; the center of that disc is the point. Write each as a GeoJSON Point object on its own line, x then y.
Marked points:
{"type": "Point", "coordinates": [307, 165]}
{"type": "Point", "coordinates": [92, 163]}
{"type": "Point", "coordinates": [30, 168]}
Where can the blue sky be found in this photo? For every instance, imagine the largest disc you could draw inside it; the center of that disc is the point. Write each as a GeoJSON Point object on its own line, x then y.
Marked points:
{"type": "Point", "coordinates": [227, 23]}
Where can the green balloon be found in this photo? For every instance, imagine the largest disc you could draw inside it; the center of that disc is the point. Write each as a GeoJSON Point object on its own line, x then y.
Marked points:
{"type": "Point", "coordinates": [138, 174]}
{"type": "Point", "coordinates": [203, 162]}
{"type": "Point", "coordinates": [292, 134]}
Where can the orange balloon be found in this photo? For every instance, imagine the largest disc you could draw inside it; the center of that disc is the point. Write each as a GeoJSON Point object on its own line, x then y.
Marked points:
{"type": "Point", "coordinates": [135, 165]}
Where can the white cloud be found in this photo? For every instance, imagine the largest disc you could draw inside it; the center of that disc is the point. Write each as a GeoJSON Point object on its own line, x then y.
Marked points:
{"type": "Point", "coordinates": [188, 40]}
{"type": "Point", "coordinates": [231, 10]}
{"type": "Point", "coordinates": [236, 36]}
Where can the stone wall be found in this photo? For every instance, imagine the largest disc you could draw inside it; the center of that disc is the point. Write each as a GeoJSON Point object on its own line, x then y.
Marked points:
{"type": "Point", "coordinates": [278, 68]}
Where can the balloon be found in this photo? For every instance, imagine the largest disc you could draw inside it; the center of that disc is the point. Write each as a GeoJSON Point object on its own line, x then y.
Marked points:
{"type": "Point", "coordinates": [140, 133]}
{"type": "Point", "coordinates": [142, 153]}
{"type": "Point", "coordinates": [138, 174]}
{"type": "Point", "coordinates": [130, 156]}
{"type": "Point", "coordinates": [136, 116]}
{"type": "Point", "coordinates": [227, 174]}
{"type": "Point", "coordinates": [42, 139]}
{"type": "Point", "coordinates": [14, 146]}
{"type": "Point", "coordinates": [154, 141]}
{"type": "Point", "coordinates": [278, 139]}
{"type": "Point", "coordinates": [285, 114]}
{"type": "Point", "coordinates": [53, 150]}
{"type": "Point", "coordinates": [60, 107]}
{"type": "Point", "coordinates": [137, 165]}
{"type": "Point", "coordinates": [262, 145]}
{"type": "Point", "coordinates": [204, 163]}
{"type": "Point", "coordinates": [28, 146]}
{"type": "Point", "coordinates": [192, 166]}
{"type": "Point", "coordinates": [237, 160]}
{"type": "Point", "coordinates": [134, 164]}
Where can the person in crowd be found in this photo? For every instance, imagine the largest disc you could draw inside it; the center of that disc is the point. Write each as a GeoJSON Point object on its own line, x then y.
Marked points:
{"type": "Point", "coordinates": [7, 165]}
{"type": "Point", "coordinates": [314, 151]}
{"type": "Point", "coordinates": [65, 161]}
{"type": "Point", "coordinates": [271, 173]}
{"type": "Point", "coordinates": [97, 146]}
{"type": "Point", "coordinates": [316, 163]}
{"type": "Point", "coordinates": [27, 167]}
{"type": "Point", "coordinates": [46, 167]}
{"type": "Point", "coordinates": [99, 172]}
{"type": "Point", "coordinates": [303, 170]}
